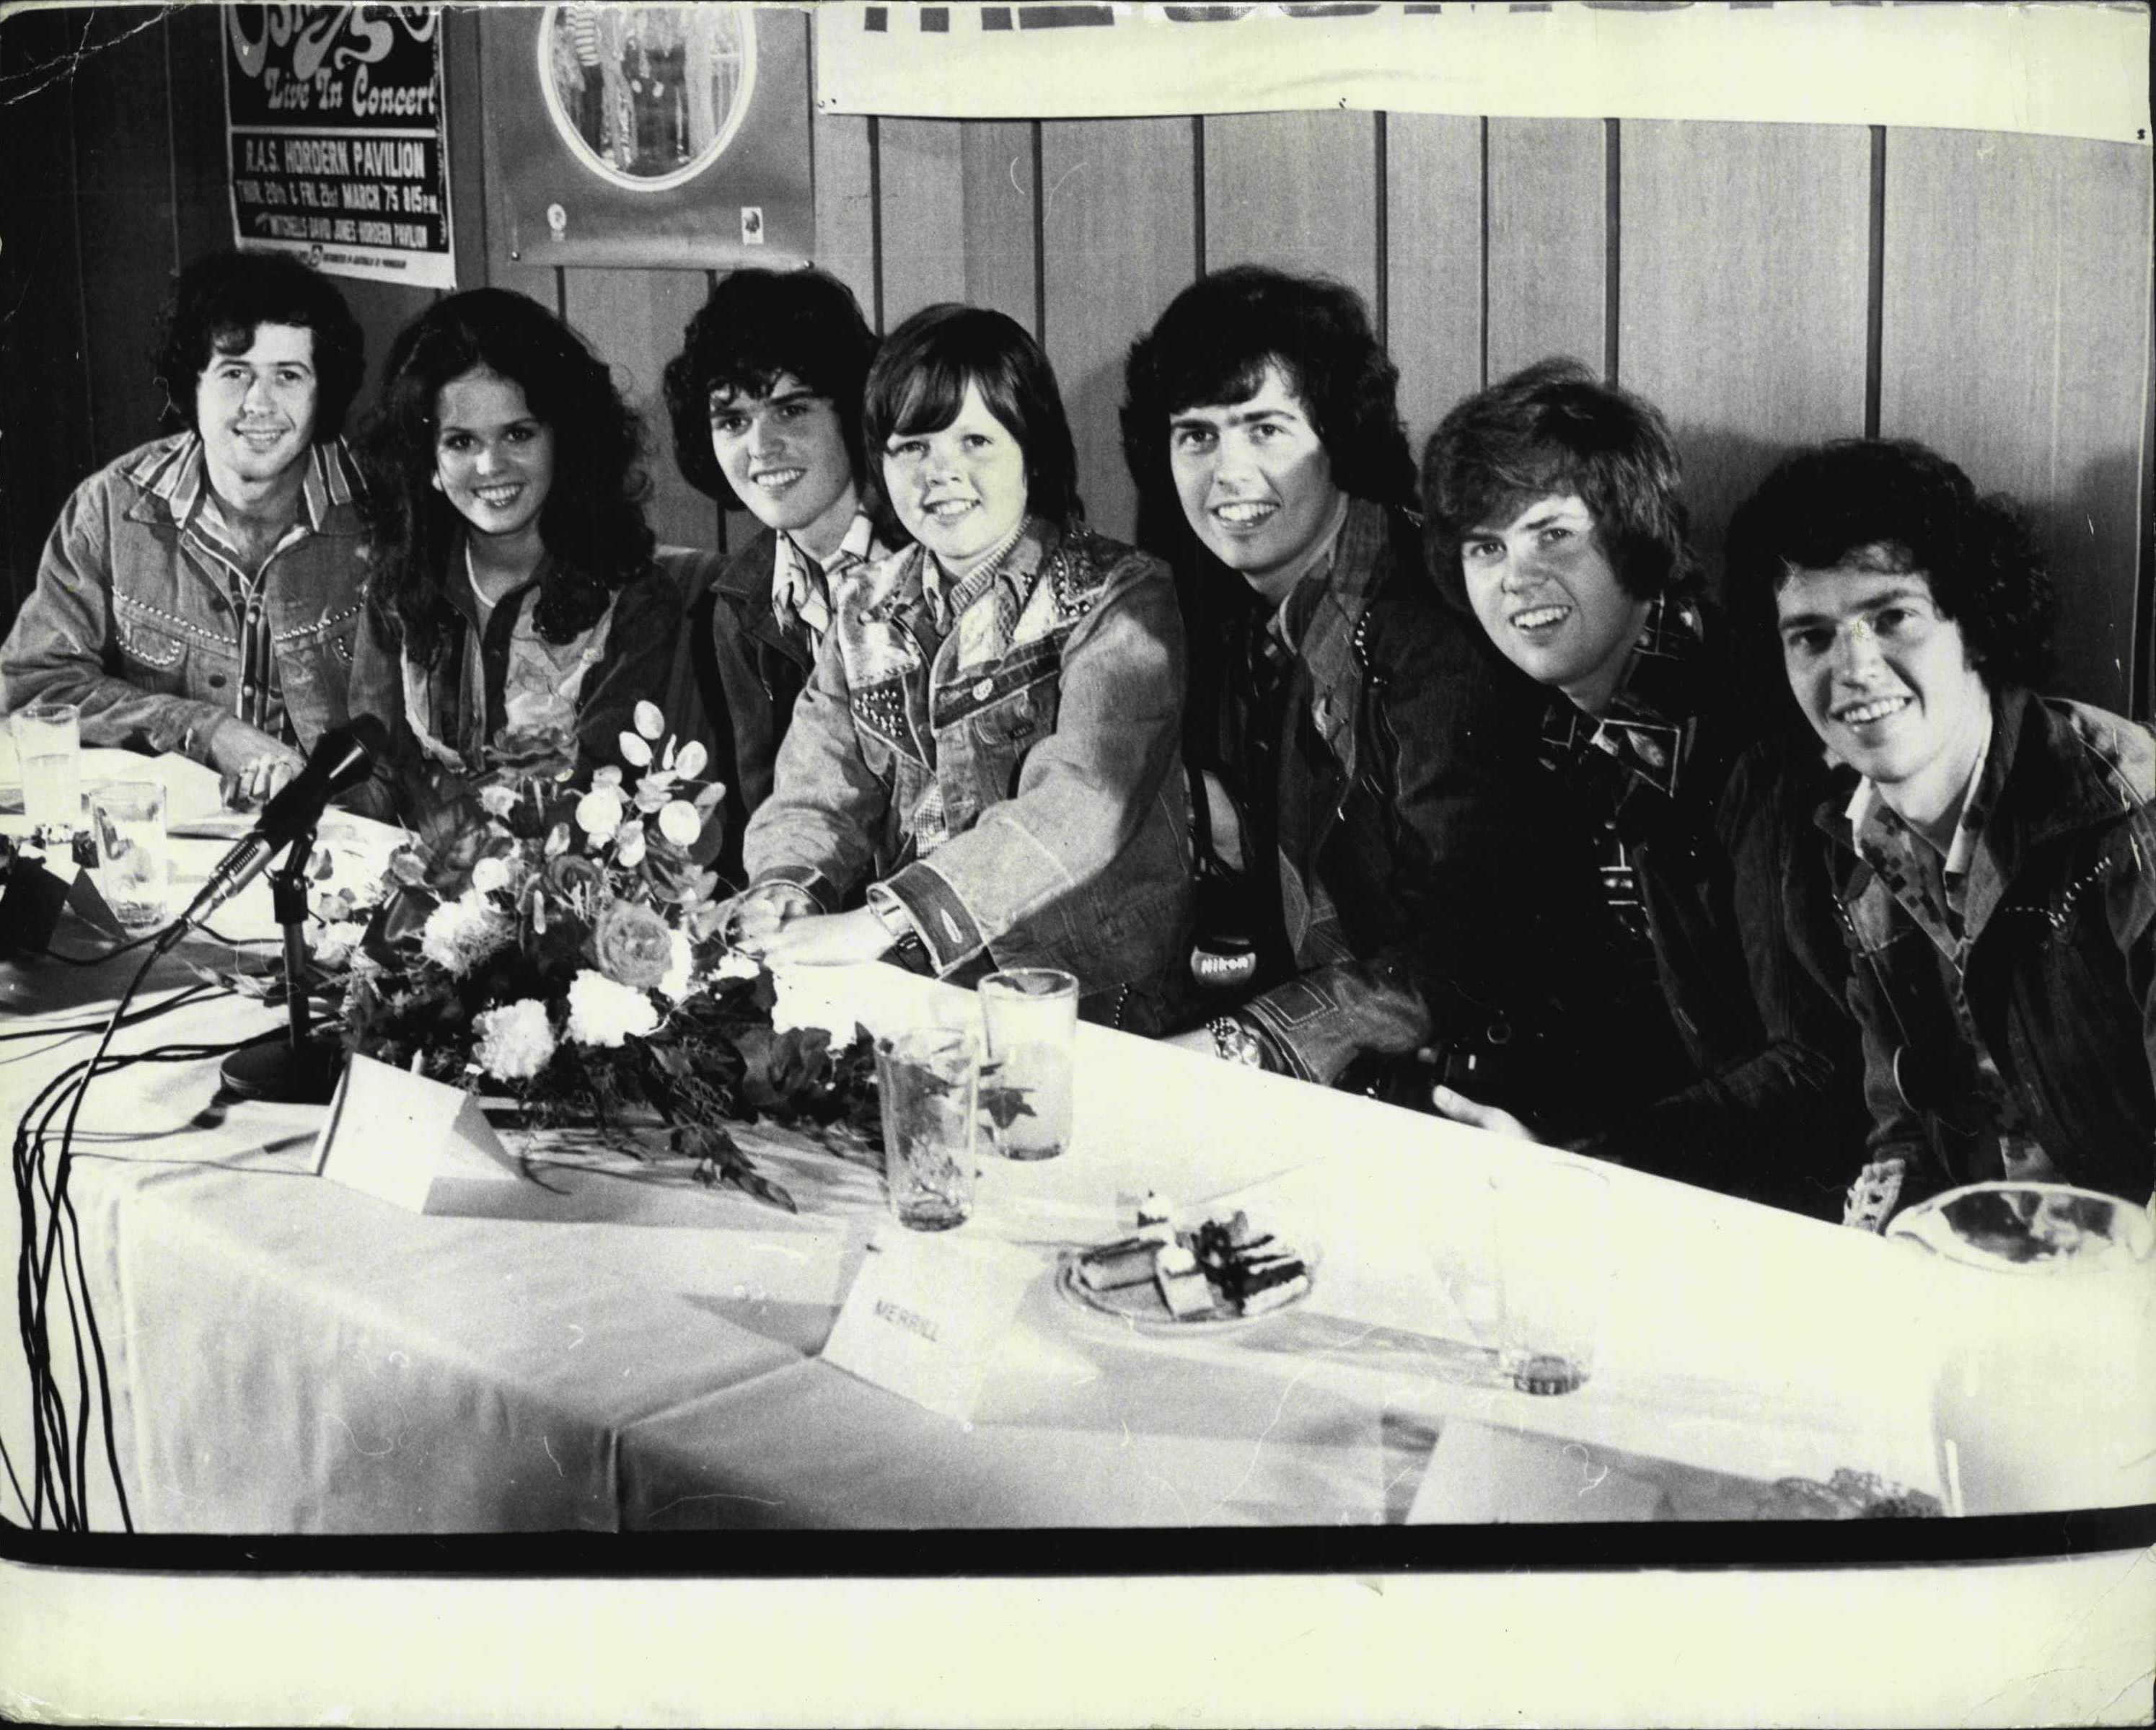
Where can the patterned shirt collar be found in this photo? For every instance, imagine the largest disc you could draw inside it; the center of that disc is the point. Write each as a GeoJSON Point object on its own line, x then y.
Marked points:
{"type": "Point", "coordinates": [1934, 893]}
{"type": "Point", "coordinates": [801, 582]}
{"type": "Point", "coordinates": [179, 475]}
{"type": "Point", "coordinates": [1647, 729]}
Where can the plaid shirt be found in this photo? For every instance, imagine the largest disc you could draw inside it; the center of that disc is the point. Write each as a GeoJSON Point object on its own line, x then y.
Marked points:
{"type": "Point", "coordinates": [1936, 893]}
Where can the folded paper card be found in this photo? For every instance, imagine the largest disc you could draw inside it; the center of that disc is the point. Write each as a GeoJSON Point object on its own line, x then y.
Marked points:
{"type": "Point", "coordinates": [417, 1144]}
{"type": "Point", "coordinates": [925, 1314]}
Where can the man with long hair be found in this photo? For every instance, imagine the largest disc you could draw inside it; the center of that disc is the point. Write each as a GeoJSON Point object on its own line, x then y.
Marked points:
{"type": "Point", "coordinates": [1348, 739]}
{"type": "Point", "coordinates": [1994, 874]}
{"type": "Point", "coordinates": [200, 594]}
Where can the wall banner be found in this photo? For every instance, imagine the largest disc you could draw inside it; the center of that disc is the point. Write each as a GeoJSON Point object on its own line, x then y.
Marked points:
{"type": "Point", "coordinates": [2076, 69]}
{"type": "Point", "coordinates": [334, 117]}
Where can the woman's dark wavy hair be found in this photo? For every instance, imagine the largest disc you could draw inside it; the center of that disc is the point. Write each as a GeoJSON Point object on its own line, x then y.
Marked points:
{"type": "Point", "coordinates": [1212, 345]}
{"type": "Point", "coordinates": [918, 384]}
{"type": "Point", "coordinates": [1903, 508]}
{"type": "Point", "coordinates": [756, 325]}
{"type": "Point", "coordinates": [592, 521]}
{"type": "Point", "coordinates": [215, 307]}
{"type": "Point", "coordinates": [1554, 427]}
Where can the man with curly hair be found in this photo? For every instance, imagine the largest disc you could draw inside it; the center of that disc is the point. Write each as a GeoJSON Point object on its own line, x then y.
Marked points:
{"type": "Point", "coordinates": [1347, 738]}
{"type": "Point", "coordinates": [1994, 875]}
{"type": "Point", "coordinates": [200, 594]}
{"type": "Point", "coordinates": [765, 399]}
{"type": "Point", "coordinates": [1675, 1035]}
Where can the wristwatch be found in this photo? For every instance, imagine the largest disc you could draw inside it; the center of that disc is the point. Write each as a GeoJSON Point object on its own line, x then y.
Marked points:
{"type": "Point", "coordinates": [905, 944]}
{"type": "Point", "coordinates": [1236, 1042]}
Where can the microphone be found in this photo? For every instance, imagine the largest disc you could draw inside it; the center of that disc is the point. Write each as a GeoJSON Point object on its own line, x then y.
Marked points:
{"type": "Point", "coordinates": [343, 757]}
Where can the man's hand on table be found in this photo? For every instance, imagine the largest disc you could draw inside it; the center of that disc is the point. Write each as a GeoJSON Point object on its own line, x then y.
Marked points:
{"type": "Point", "coordinates": [254, 765]}
{"type": "Point", "coordinates": [831, 940]}
{"type": "Point", "coordinates": [1461, 1109]}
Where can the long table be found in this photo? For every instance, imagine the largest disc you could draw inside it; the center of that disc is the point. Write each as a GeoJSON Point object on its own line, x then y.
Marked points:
{"type": "Point", "coordinates": [608, 1346]}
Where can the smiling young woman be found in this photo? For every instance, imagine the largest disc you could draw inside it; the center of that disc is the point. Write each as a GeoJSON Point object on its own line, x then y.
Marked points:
{"type": "Point", "coordinates": [513, 590]}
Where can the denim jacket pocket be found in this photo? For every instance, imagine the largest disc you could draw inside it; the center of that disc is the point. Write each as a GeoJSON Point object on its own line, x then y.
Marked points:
{"type": "Point", "coordinates": [157, 642]}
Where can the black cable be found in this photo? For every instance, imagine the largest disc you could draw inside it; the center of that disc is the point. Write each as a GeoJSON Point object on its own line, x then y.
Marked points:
{"type": "Point", "coordinates": [39, 1274]}
{"type": "Point", "coordinates": [189, 994]}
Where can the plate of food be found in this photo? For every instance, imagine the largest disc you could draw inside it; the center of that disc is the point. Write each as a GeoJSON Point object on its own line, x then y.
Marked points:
{"type": "Point", "coordinates": [1217, 1274]}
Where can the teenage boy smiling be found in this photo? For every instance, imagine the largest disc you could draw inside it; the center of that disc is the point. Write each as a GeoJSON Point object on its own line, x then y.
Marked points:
{"type": "Point", "coordinates": [1994, 875]}
{"type": "Point", "coordinates": [1676, 1035]}
{"type": "Point", "coordinates": [765, 400]}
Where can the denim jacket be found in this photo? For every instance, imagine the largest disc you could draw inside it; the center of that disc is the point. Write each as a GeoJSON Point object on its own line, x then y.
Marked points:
{"type": "Point", "coordinates": [1045, 722]}
{"type": "Point", "coordinates": [2058, 979]}
{"type": "Point", "coordinates": [132, 619]}
{"type": "Point", "coordinates": [1403, 743]}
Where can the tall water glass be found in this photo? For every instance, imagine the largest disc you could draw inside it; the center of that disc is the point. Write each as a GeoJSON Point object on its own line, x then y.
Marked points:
{"type": "Point", "coordinates": [2043, 1299]}
{"type": "Point", "coordinates": [928, 1078]}
{"type": "Point", "coordinates": [1030, 1017]}
{"type": "Point", "coordinates": [1553, 1269]}
{"type": "Point", "coordinates": [134, 859]}
{"type": "Point", "coordinates": [48, 742]}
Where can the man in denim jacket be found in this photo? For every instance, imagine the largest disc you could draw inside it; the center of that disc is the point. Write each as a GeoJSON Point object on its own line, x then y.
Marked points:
{"type": "Point", "coordinates": [1993, 877]}
{"type": "Point", "coordinates": [200, 594]}
{"type": "Point", "coordinates": [1353, 740]}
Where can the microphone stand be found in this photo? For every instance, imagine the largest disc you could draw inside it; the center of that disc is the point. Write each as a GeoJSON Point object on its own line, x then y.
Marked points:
{"type": "Point", "coordinates": [302, 1071]}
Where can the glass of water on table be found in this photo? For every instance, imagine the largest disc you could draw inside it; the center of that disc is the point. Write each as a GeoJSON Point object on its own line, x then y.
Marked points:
{"type": "Point", "coordinates": [48, 744]}
{"type": "Point", "coordinates": [134, 859]}
{"type": "Point", "coordinates": [1029, 1018]}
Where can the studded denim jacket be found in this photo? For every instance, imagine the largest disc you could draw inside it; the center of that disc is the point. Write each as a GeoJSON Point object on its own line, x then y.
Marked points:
{"type": "Point", "coordinates": [131, 620]}
{"type": "Point", "coordinates": [2058, 979]}
{"type": "Point", "coordinates": [1045, 725]}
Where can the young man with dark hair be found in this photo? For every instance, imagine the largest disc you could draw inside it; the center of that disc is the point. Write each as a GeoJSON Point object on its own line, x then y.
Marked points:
{"type": "Point", "coordinates": [765, 398]}
{"type": "Point", "coordinates": [200, 594]}
{"type": "Point", "coordinates": [1348, 738]}
{"type": "Point", "coordinates": [1686, 1042]}
{"type": "Point", "coordinates": [1994, 875]}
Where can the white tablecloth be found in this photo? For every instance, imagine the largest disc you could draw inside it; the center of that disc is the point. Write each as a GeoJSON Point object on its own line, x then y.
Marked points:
{"type": "Point", "coordinates": [612, 1347]}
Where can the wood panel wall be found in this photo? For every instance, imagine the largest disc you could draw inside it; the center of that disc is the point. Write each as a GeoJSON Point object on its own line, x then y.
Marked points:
{"type": "Point", "coordinates": [1767, 285]}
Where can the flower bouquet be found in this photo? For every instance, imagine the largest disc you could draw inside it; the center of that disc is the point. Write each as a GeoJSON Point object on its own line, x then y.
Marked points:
{"type": "Point", "coordinates": [563, 946]}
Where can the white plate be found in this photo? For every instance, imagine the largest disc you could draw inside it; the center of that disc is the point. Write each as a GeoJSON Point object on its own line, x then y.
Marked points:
{"type": "Point", "coordinates": [1141, 1307]}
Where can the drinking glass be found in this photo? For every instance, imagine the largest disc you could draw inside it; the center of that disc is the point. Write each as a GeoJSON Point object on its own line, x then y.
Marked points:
{"type": "Point", "coordinates": [1553, 1269]}
{"type": "Point", "coordinates": [49, 741]}
{"type": "Point", "coordinates": [1030, 1017]}
{"type": "Point", "coordinates": [134, 860]}
{"type": "Point", "coordinates": [928, 1078]}
{"type": "Point", "coordinates": [2045, 1313]}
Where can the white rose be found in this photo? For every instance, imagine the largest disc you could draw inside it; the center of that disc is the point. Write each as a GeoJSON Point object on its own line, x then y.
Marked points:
{"type": "Point", "coordinates": [605, 1013]}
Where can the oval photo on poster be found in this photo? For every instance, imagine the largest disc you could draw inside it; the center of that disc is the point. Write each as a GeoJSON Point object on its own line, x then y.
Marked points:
{"type": "Point", "coordinates": [648, 97]}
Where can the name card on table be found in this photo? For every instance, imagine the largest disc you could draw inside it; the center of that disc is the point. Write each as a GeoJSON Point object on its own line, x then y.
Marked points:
{"type": "Point", "coordinates": [925, 1314]}
{"type": "Point", "coordinates": [417, 1144]}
